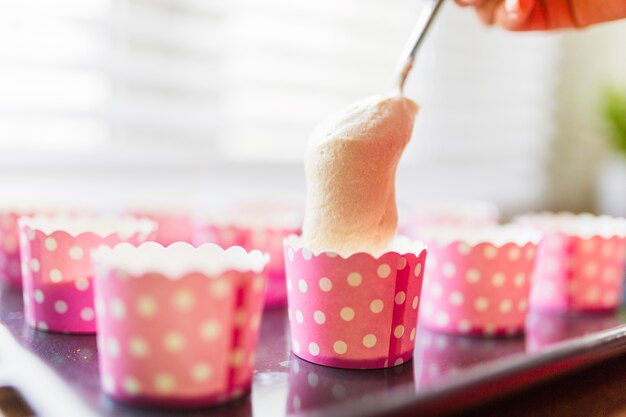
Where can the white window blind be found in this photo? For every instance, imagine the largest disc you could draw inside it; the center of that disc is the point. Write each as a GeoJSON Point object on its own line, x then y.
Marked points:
{"type": "Point", "coordinates": [194, 80]}
{"type": "Point", "coordinates": [110, 81]}
{"type": "Point", "coordinates": [295, 62]}
{"type": "Point", "coordinates": [206, 83]}
{"type": "Point", "coordinates": [52, 86]}
{"type": "Point", "coordinates": [167, 81]}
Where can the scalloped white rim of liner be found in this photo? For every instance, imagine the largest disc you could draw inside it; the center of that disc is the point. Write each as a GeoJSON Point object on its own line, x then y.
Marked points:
{"type": "Point", "coordinates": [496, 235]}
{"type": "Point", "coordinates": [584, 225]}
{"type": "Point", "coordinates": [178, 259]}
{"type": "Point", "coordinates": [400, 244]}
{"type": "Point", "coordinates": [262, 218]}
{"type": "Point", "coordinates": [101, 225]}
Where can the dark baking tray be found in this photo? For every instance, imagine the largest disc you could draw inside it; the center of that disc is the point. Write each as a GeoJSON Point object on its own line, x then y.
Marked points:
{"type": "Point", "coordinates": [58, 374]}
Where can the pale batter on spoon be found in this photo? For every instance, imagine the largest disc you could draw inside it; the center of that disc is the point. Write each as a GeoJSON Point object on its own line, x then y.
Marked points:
{"type": "Point", "coordinates": [350, 168]}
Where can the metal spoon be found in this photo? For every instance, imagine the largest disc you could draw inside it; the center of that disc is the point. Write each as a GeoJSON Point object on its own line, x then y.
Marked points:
{"type": "Point", "coordinates": [426, 18]}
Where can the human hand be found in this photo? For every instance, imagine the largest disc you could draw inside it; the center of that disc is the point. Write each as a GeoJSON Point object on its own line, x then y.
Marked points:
{"type": "Point", "coordinates": [525, 15]}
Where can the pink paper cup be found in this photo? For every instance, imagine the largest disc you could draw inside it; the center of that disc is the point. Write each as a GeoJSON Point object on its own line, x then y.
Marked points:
{"type": "Point", "coordinates": [261, 227]}
{"type": "Point", "coordinates": [56, 269]}
{"type": "Point", "coordinates": [178, 325]}
{"type": "Point", "coordinates": [172, 226]}
{"type": "Point", "coordinates": [478, 280]}
{"type": "Point", "coordinates": [457, 214]}
{"type": "Point", "coordinates": [358, 312]}
{"type": "Point", "coordinates": [10, 259]}
{"type": "Point", "coordinates": [10, 270]}
{"type": "Point", "coordinates": [580, 264]}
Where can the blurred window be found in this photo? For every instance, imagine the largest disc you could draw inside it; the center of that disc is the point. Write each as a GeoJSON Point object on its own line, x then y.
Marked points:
{"type": "Point", "coordinates": [189, 80]}
{"type": "Point", "coordinates": [204, 83]}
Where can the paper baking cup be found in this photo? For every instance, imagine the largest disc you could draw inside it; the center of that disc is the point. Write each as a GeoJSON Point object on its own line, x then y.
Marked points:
{"type": "Point", "coordinates": [478, 280]}
{"type": "Point", "coordinates": [580, 264]}
{"type": "Point", "coordinates": [543, 330]}
{"type": "Point", "coordinates": [172, 226]}
{"type": "Point", "coordinates": [10, 260]}
{"type": "Point", "coordinates": [357, 312]}
{"type": "Point", "coordinates": [178, 325]}
{"type": "Point", "coordinates": [10, 270]}
{"type": "Point", "coordinates": [263, 228]}
{"type": "Point", "coordinates": [56, 269]}
{"type": "Point", "coordinates": [452, 214]}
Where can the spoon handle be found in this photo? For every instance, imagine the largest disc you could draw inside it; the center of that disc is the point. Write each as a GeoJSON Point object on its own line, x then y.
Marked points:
{"type": "Point", "coordinates": [424, 21]}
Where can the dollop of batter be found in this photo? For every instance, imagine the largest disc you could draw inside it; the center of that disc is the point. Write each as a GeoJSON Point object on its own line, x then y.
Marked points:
{"type": "Point", "coordinates": [350, 166]}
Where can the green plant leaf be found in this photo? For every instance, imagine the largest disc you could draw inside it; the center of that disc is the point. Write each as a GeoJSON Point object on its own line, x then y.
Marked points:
{"type": "Point", "coordinates": [614, 110]}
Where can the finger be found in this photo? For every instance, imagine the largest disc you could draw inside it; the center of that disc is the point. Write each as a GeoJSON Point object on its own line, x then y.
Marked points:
{"type": "Point", "coordinates": [588, 12]}
{"type": "Point", "coordinates": [486, 11]}
{"type": "Point", "coordinates": [536, 15]}
{"type": "Point", "coordinates": [473, 3]}
{"type": "Point", "coordinates": [518, 15]}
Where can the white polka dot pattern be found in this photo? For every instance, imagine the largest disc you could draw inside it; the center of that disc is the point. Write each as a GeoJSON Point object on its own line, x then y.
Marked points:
{"type": "Point", "coordinates": [152, 321]}
{"type": "Point", "coordinates": [576, 274]}
{"type": "Point", "coordinates": [319, 317]}
{"type": "Point", "coordinates": [325, 284]}
{"type": "Point", "coordinates": [332, 309]}
{"type": "Point", "coordinates": [475, 289]}
{"type": "Point", "coordinates": [268, 240]}
{"type": "Point", "coordinates": [355, 279]}
{"type": "Point", "coordinates": [58, 282]}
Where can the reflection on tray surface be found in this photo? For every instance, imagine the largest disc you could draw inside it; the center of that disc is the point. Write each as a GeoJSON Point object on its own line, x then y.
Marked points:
{"type": "Point", "coordinates": [312, 386]}
{"type": "Point", "coordinates": [439, 355]}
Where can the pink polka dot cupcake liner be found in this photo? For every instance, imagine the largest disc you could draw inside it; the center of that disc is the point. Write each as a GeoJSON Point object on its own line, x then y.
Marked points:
{"type": "Point", "coordinates": [10, 269]}
{"type": "Point", "coordinates": [172, 226]}
{"type": "Point", "coordinates": [358, 312]}
{"type": "Point", "coordinates": [56, 267]}
{"type": "Point", "coordinates": [580, 263]}
{"type": "Point", "coordinates": [178, 326]}
{"type": "Point", "coordinates": [478, 280]}
{"type": "Point", "coordinates": [264, 229]}
{"type": "Point", "coordinates": [458, 214]}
